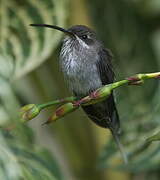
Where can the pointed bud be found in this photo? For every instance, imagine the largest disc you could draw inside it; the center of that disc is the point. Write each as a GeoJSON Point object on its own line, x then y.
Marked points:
{"type": "Point", "coordinates": [98, 95]}
{"type": "Point", "coordinates": [29, 111]}
{"type": "Point", "coordinates": [105, 91]}
{"type": "Point", "coordinates": [62, 111]}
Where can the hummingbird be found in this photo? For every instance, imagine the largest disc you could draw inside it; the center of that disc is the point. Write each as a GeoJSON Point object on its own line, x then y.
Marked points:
{"type": "Point", "coordinates": [86, 65]}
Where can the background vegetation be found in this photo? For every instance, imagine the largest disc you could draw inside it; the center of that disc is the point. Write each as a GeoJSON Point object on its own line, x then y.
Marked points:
{"type": "Point", "coordinates": [75, 148]}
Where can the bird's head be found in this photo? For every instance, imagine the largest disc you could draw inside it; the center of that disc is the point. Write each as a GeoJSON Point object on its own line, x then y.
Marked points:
{"type": "Point", "coordinates": [79, 35]}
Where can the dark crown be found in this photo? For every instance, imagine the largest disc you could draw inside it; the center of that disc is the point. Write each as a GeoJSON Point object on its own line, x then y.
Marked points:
{"type": "Point", "coordinates": [80, 30]}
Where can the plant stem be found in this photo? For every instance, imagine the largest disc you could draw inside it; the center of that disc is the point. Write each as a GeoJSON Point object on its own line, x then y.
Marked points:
{"type": "Point", "coordinates": [59, 101]}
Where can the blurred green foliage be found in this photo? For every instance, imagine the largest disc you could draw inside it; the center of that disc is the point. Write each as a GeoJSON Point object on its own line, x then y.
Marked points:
{"type": "Point", "coordinates": [131, 30]}
{"type": "Point", "coordinates": [22, 49]}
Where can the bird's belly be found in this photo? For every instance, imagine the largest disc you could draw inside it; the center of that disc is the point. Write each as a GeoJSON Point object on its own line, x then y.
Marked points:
{"type": "Point", "coordinates": [83, 80]}
{"type": "Point", "coordinates": [83, 87]}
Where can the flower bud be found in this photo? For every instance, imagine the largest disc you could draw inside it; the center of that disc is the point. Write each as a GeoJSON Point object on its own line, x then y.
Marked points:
{"type": "Point", "coordinates": [62, 111]}
{"type": "Point", "coordinates": [29, 111]}
{"type": "Point", "coordinates": [97, 96]}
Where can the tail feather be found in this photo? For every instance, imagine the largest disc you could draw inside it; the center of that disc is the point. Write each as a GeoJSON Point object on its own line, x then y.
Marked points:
{"type": "Point", "coordinates": [115, 130]}
{"type": "Point", "coordinates": [105, 115]}
{"type": "Point", "coordinates": [120, 146]}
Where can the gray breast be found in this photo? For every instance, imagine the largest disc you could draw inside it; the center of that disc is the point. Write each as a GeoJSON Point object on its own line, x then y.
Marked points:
{"type": "Point", "coordinates": [79, 69]}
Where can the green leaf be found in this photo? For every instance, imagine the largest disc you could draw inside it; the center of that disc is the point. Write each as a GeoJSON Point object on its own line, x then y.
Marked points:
{"type": "Point", "coordinates": [19, 162]}
{"type": "Point", "coordinates": [22, 47]}
{"type": "Point", "coordinates": [155, 137]}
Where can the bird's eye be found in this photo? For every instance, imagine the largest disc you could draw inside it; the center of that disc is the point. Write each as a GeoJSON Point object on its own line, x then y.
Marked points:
{"type": "Point", "coordinates": [84, 37]}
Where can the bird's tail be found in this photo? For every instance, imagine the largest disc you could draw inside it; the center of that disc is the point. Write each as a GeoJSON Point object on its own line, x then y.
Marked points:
{"type": "Point", "coordinates": [120, 146]}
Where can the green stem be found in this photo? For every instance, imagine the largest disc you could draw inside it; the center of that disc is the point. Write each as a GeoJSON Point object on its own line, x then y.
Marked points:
{"type": "Point", "coordinates": [30, 111]}
{"type": "Point", "coordinates": [59, 101]}
{"type": "Point", "coordinates": [119, 83]}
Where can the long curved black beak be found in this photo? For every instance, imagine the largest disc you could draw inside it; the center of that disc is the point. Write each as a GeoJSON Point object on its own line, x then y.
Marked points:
{"type": "Point", "coordinates": [54, 27]}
